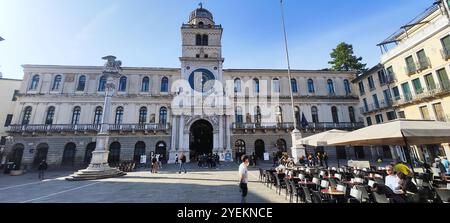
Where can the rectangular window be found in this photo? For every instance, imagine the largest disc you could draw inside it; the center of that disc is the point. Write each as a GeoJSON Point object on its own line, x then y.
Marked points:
{"type": "Point", "coordinates": [406, 91]}
{"type": "Point", "coordinates": [8, 120]}
{"type": "Point", "coordinates": [387, 97]}
{"type": "Point", "coordinates": [391, 115]}
{"type": "Point", "coordinates": [429, 81]}
{"type": "Point", "coordinates": [439, 112]}
{"type": "Point", "coordinates": [424, 112]}
{"type": "Point", "coordinates": [417, 86]}
{"type": "Point", "coordinates": [390, 73]}
{"type": "Point", "coordinates": [446, 47]}
{"type": "Point", "coordinates": [396, 93]}
{"type": "Point", "coordinates": [366, 106]}
{"type": "Point", "coordinates": [443, 79]}
{"type": "Point", "coordinates": [371, 83]}
{"type": "Point", "coordinates": [381, 77]}
{"type": "Point", "coordinates": [361, 87]}
{"type": "Point", "coordinates": [369, 121]}
{"type": "Point", "coordinates": [423, 59]}
{"type": "Point", "coordinates": [376, 103]}
{"type": "Point", "coordinates": [379, 118]}
{"type": "Point", "coordinates": [401, 114]}
{"type": "Point", "coordinates": [410, 66]}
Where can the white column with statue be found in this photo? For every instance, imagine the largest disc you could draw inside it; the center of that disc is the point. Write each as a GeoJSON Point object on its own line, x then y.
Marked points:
{"type": "Point", "coordinates": [99, 167]}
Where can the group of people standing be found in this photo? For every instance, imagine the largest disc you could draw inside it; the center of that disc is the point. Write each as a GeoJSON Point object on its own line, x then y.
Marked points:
{"type": "Point", "coordinates": [210, 160]}
{"type": "Point", "coordinates": [156, 162]}
{"type": "Point", "coordinates": [314, 160]}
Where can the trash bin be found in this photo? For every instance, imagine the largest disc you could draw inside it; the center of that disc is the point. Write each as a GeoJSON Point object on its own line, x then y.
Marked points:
{"type": "Point", "coordinates": [9, 166]}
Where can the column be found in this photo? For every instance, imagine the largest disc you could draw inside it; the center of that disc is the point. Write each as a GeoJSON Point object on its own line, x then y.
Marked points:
{"type": "Point", "coordinates": [216, 141]}
{"type": "Point", "coordinates": [228, 133]}
{"type": "Point", "coordinates": [221, 138]}
{"type": "Point", "coordinates": [174, 134]}
{"type": "Point", "coordinates": [181, 133]}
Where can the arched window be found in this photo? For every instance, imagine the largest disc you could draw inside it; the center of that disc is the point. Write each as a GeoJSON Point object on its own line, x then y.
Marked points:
{"type": "Point", "coordinates": [240, 148]}
{"type": "Point", "coordinates": [297, 115]}
{"type": "Point", "coordinates": [237, 85]}
{"type": "Point", "coordinates": [142, 115]}
{"type": "Point", "coordinates": [279, 114]}
{"type": "Point", "coordinates": [123, 84]}
{"type": "Point", "coordinates": [165, 84]}
{"type": "Point", "coordinates": [50, 115]}
{"type": "Point", "coordinates": [334, 113]}
{"type": "Point", "coordinates": [256, 83]}
{"type": "Point", "coordinates": [163, 115]}
{"type": "Point", "coordinates": [34, 82]}
{"type": "Point", "coordinates": [17, 155]}
{"type": "Point", "coordinates": [26, 115]}
{"type": "Point", "coordinates": [198, 40]}
{"type": "Point", "coordinates": [200, 24]}
{"type": "Point", "coordinates": [281, 145]}
{"type": "Point", "coordinates": [311, 86]}
{"type": "Point", "coordinates": [161, 148]}
{"type": "Point", "coordinates": [119, 115]}
{"type": "Point", "coordinates": [294, 85]}
{"type": "Point", "coordinates": [351, 112]}
{"type": "Point", "coordinates": [81, 83]}
{"type": "Point", "coordinates": [145, 84]}
{"type": "Point", "coordinates": [348, 90]}
{"type": "Point", "coordinates": [205, 40]}
{"type": "Point", "coordinates": [56, 83]}
{"type": "Point", "coordinates": [330, 86]}
{"type": "Point", "coordinates": [68, 158]}
{"type": "Point", "coordinates": [238, 115]}
{"type": "Point", "coordinates": [258, 115]}
{"type": "Point", "coordinates": [102, 84]}
{"type": "Point", "coordinates": [98, 115]}
{"type": "Point", "coordinates": [76, 115]}
{"type": "Point", "coordinates": [276, 85]}
{"type": "Point", "coordinates": [315, 114]}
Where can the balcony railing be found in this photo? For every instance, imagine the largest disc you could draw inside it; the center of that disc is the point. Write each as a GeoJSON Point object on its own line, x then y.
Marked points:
{"type": "Point", "coordinates": [390, 78]}
{"type": "Point", "coordinates": [374, 107]}
{"type": "Point", "coordinates": [423, 95]}
{"type": "Point", "coordinates": [445, 54]}
{"type": "Point", "coordinates": [320, 126]}
{"type": "Point", "coordinates": [86, 128]}
{"type": "Point", "coordinates": [423, 64]}
{"type": "Point", "coordinates": [410, 69]}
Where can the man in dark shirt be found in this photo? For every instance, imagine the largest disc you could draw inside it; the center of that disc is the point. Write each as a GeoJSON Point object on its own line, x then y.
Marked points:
{"type": "Point", "coordinates": [42, 167]}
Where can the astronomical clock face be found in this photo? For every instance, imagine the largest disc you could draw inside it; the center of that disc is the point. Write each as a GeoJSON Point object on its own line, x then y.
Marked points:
{"type": "Point", "coordinates": [201, 80]}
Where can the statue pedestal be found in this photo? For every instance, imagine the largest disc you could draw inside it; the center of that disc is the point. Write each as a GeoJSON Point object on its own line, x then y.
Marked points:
{"type": "Point", "coordinates": [298, 150]}
{"type": "Point", "coordinates": [99, 167]}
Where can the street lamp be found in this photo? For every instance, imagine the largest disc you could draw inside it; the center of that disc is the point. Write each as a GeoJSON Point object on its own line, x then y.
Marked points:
{"type": "Point", "coordinates": [99, 167]}
{"type": "Point", "coordinates": [296, 152]}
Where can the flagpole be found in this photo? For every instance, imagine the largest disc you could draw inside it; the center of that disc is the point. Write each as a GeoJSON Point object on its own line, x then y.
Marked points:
{"type": "Point", "coordinates": [289, 66]}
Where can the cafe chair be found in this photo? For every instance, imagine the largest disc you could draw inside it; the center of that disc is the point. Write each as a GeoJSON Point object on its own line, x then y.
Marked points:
{"type": "Point", "coordinates": [279, 183]}
{"type": "Point", "coordinates": [289, 191]}
{"type": "Point", "coordinates": [307, 194]}
{"type": "Point", "coordinates": [381, 198]}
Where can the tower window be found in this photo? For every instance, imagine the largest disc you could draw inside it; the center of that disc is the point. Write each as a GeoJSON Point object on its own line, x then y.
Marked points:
{"type": "Point", "coordinates": [205, 40]}
{"type": "Point", "coordinates": [197, 55]}
{"type": "Point", "coordinates": [206, 55]}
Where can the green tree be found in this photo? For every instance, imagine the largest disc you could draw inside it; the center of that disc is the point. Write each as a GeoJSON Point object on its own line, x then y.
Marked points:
{"type": "Point", "coordinates": [344, 60]}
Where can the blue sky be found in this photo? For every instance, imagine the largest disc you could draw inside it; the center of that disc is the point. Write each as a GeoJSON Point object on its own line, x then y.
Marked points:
{"type": "Point", "coordinates": [147, 32]}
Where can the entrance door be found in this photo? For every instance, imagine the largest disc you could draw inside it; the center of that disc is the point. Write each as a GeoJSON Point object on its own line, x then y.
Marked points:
{"type": "Point", "coordinates": [200, 139]}
{"type": "Point", "coordinates": [69, 155]}
{"type": "Point", "coordinates": [42, 151]}
{"type": "Point", "coordinates": [114, 154]}
{"type": "Point", "coordinates": [359, 152]}
{"type": "Point", "coordinates": [260, 149]}
{"type": "Point", "coordinates": [161, 149]}
{"type": "Point", "coordinates": [17, 155]}
{"type": "Point", "coordinates": [139, 150]}
{"type": "Point", "coordinates": [88, 154]}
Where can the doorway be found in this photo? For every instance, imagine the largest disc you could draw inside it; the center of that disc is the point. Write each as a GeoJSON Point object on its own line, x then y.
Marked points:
{"type": "Point", "coordinates": [200, 139]}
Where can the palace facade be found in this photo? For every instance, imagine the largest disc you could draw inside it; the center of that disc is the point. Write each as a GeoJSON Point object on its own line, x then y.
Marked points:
{"type": "Point", "coordinates": [197, 108]}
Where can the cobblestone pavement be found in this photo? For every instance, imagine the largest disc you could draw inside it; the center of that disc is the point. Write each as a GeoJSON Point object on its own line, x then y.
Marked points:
{"type": "Point", "coordinates": [199, 185]}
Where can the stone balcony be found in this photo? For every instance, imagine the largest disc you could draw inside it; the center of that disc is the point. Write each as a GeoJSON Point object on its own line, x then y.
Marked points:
{"type": "Point", "coordinates": [312, 127]}
{"type": "Point", "coordinates": [87, 128]}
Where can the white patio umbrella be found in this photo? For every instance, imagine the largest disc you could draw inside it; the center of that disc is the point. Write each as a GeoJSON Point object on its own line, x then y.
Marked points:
{"type": "Point", "coordinates": [399, 132]}
{"type": "Point", "coordinates": [322, 139]}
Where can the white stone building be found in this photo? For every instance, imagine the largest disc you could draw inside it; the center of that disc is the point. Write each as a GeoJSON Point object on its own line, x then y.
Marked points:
{"type": "Point", "coordinates": [197, 108]}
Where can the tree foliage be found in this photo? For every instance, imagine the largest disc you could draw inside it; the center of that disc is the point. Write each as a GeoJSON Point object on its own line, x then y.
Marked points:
{"type": "Point", "coordinates": [344, 60]}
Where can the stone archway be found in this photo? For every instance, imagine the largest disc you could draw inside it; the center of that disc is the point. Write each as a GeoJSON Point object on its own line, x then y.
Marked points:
{"type": "Point", "coordinates": [200, 138]}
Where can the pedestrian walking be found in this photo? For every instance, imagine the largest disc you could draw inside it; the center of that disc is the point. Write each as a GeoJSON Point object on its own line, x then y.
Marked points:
{"type": "Point", "coordinates": [42, 168]}
{"type": "Point", "coordinates": [154, 164]}
{"type": "Point", "coordinates": [243, 178]}
{"type": "Point", "coordinates": [325, 159]}
{"type": "Point", "coordinates": [159, 157]}
{"type": "Point", "coordinates": [182, 163]}
{"type": "Point", "coordinates": [176, 158]}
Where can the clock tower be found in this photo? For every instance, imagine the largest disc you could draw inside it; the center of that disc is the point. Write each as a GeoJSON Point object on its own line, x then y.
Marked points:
{"type": "Point", "coordinates": [200, 124]}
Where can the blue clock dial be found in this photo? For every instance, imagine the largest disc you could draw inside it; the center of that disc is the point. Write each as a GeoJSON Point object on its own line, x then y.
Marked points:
{"type": "Point", "coordinates": [201, 80]}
